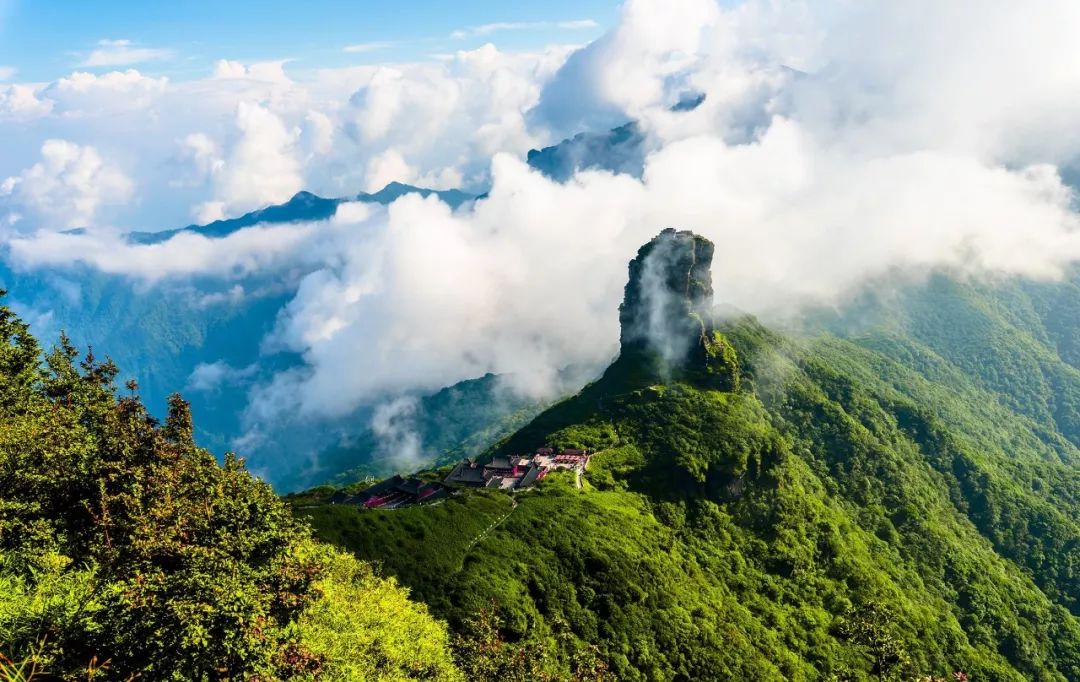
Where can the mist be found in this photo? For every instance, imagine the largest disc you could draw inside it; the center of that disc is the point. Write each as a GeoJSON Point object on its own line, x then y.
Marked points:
{"type": "Point", "coordinates": [837, 145]}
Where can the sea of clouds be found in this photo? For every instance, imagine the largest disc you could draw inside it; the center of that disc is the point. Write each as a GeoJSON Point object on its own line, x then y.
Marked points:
{"type": "Point", "coordinates": [838, 143]}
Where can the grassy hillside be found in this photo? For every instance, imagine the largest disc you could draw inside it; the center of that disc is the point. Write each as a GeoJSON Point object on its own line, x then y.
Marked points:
{"type": "Point", "coordinates": [891, 499]}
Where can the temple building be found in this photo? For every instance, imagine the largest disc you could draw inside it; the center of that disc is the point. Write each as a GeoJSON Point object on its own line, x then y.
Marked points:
{"type": "Point", "coordinates": [515, 472]}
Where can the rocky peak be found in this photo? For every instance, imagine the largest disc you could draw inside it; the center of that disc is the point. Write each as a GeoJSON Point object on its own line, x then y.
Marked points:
{"type": "Point", "coordinates": [666, 313]}
{"type": "Point", "coordinates": [669, 290]}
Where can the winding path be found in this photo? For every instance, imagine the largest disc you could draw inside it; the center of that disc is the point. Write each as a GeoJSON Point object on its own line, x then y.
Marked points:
{"type": "Point", "coordinates": [611, 418]}
{"type": "Point", "coordinates": [513, 500]}
{"type": "Point", "coordinates": [484, 533]}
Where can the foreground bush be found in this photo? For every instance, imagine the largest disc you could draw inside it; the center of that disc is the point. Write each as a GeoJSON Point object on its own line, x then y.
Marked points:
{"type": "Point", "coordinates": [127, 550]}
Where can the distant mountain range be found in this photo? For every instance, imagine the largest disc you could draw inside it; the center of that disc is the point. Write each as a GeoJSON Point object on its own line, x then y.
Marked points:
{"type": "Point", "coordinates": [619, 150]}
{"type": "Point", "coordinates": [304, 207]}
{"type": "Point", "coordinates": [160, 339]}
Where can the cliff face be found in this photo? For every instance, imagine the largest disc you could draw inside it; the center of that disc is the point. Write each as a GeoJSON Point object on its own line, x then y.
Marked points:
{"type": "Point", "coordinates": [670, 283]}
{"type": "Point", "coordinates": [666, 313]}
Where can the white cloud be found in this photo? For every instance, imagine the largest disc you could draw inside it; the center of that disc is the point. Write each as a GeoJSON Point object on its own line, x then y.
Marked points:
{"type": "Point", "coordinates": [7, 72]}
{"type": "Point", "coordinates": [626, 71]}
{"type": "Point", "coordinates": [225, 68]}
{"type": "Point", "coordinates": [825, 156]}
{"type": "Point", "coordinates": [123, 82]}
{"type": "Point", "coordinates": [374, 46]}
{"type": "Point", "coordinates": [67, 186]}
{"type": "Point", "coordinates": [391, 166]}
{"type": "Point", "coordinates": [332, 112]}
{"type": "Point", "coordinates": [577, 24]}
{"type": "Point", "coordinates": [84, 95]}
{"type": "Point", "coordinates": [269, 71]}
{"type": "Point", "coordinates": [123, 53]}
{"type": "Point", "coordinates": [201, 158]}
{"type": "Point", "coordinates": [21, 103]}
{"type": "Point", "coordinates": [394, 424]}
{"type": "Point", "coordinates": [261, 168]}
{"type": "Point", "coordinates": [208, 377]}
{"type": "Point", "coordinates": [209, 212]}
{"type": "Point", "coordinates": [448, 119]}
{"type": "Point", "coordinates": [385, 168]}
{"type": "Point", "coordinates": [258, 250]}
{"type": "Point", "coordinates": [320, 132]}
{"type": "Point", "coordinates": [234, 295]}
{"type": "Point", "coordinates": [488, 29]}
{"type": "Point", "coordinates": [242, 253]}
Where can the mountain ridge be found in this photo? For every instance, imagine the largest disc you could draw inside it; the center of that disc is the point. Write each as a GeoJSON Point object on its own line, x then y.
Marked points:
{"type": "Point", "coordinates": [303, 206]}
{"type": "Point", "coordinates": [853, 508]}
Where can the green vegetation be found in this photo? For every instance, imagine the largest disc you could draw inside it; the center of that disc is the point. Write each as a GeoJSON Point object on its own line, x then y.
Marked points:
{"type": "Point", "coordinates": [126, 550]}
{"type": "Point", "coordinates": [891, 492]}
{"type": "Point", "coordinates": [457, 422]}
{"type": "Point", "coordinates": [884, 498]}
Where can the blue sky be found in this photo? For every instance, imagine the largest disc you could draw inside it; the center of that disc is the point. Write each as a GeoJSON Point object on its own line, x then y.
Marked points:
{"type": "Point", "coordinates": [42, 39]}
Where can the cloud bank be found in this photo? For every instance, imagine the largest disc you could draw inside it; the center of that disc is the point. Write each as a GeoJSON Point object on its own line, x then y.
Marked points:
{"type": "Point", "coordinates": [68, 185]}
{"type": "Point", "coordinates": [826, 155]}
{"type": "Point", "coordinates": [266, 129]}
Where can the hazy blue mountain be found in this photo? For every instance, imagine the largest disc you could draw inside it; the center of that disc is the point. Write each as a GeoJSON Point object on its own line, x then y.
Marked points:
{"type": "Point", "coordinates": [620, 150]}
{"type": "Point", "coordinates": [159, 336]}
{"type": "Point", "coordinates": [304, 206]}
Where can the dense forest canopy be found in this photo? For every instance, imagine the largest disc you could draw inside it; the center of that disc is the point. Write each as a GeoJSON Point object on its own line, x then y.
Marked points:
{"type": "Point", "coordinates": [126, 550]}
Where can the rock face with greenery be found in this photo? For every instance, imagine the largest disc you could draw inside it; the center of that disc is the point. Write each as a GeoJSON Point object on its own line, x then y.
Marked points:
{"type": "Point", "coordinates": [667, 293]}
{"type": "Point", "coordinates": [890, 496]}
{"type": "Point", "coordinates": [666, 316]}
{"type": "Point", "coordinates": [126, 550]}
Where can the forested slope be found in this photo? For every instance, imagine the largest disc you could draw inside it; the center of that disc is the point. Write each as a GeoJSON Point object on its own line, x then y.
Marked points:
{"type": "Point", "coordinates": [883, 496]}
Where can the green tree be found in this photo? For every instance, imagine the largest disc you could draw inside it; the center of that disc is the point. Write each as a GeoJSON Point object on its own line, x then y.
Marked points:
{"type": "Point", "coordinates": [128, 550]}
